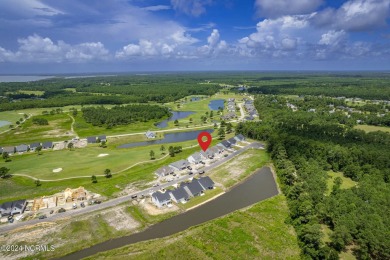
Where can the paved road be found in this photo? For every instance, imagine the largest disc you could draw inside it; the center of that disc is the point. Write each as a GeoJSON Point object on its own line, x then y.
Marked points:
{"type": "Point", "coordinates": [114, 202]}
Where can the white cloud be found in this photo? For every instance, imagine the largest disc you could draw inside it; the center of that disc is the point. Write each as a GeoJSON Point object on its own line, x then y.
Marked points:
{"type": "Point", "coordinates": [215, 45]}
{"type": "Point", "coordinates": [155, 8]}
{"type": "Point", "coordinates": [277, 8]}
{"type": "Point", "coordinates": [191, 7]}
{"type": "Point", "coordinates": [333, 38]}
{"type": "Point", "coordinates": [355, 15]}
{"type": "Point", "coordinates": [38, 49]}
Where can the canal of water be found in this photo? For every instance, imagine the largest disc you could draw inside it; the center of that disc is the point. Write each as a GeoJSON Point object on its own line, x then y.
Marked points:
{"type": "Point", "coordinates": [261, 185]}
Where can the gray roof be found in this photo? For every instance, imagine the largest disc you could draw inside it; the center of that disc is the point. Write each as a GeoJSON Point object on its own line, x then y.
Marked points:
{"type": "Point", "coordinates": [225, 144]}
{"type": "Point", "coordinates": [193, 188]}
{"type": "Point", "coordinates": [239, 137]}
{"type": "Point", "coordinates": [21, 148]}
{"type": "Point", "coordinates": [91, 139]}
{"type": "Point", "coordinates": [214, 150]}
{"type": "Point", "coordinates": [207, 153]}
{"type": "Point", "coordinates": [179, 194]}
{"type": "Point", "coordinates": [9, 149]}
{"type": "Point", "coordinates": [102, 137]}
{"type": "Point", "coordinates": [180, 164]}
{"type": "Point", "coordinates": [165, 170]}
{"type": "Point", "coordinates": [18, 206]}
{"type": "Point", "coordinates": [161, 197]}
{"type": "Point", "coordinates": [232, 140]}
{"type": "Point", "coordinates": [206, 182]}
{"type": "Point", "coordinates": [197, 156]}
{"type": "Point", "coordinates": [47, 145]}
{"type": "Point", "coordinates": [150, 134]}
{"type": "Point", "coordinates": [35, 145]}
{"type": "Point", "coordinates": [6, 208]}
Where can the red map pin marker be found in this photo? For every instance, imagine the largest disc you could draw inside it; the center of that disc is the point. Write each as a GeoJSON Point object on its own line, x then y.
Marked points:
{"type": "Point", "coordinates": [204, 144]}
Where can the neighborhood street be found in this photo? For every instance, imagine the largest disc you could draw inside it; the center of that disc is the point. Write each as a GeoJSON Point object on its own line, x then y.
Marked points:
{"type": "Point", "coordinates": [114, 202]}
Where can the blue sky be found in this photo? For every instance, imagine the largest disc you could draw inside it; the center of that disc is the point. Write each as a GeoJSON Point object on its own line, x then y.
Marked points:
{"type": "Point", "coordinates": [70, 36]}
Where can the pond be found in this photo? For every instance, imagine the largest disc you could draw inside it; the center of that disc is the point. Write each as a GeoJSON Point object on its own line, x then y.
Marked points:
{"type": "Point", "coordinates": [4, 123]}
{"type": "Point", "coordinates": [176, 115]}
{"type": "Point", "coordinates": [260, 186]}
{"type": "Point", "coordinates": [216, 104]}
{"type": "Point", "coordinates": [169, 138]}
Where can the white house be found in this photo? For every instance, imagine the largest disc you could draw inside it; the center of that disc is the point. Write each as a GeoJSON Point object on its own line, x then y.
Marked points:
{"type": "Point", "coordinates": [161, 199]}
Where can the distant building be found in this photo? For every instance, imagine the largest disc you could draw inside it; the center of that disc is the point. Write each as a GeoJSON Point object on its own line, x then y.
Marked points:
{"type": "Point", "coordinates": [195, 158]}
{"type": "Point", "coordinates": [9, 149]}
{"type": "Point", "coordinates": [91, 139]}
{"type": "Point", "coordinates": [193, 188]}
{"type": "Point", "coordinates": [206, 183]}
{"type": "Point", "coordinates": [239, 138]}
{"type": "Point", "coordinates": [179, 165]}
{"type": "Point", "coordinates": [232, 141]}
{"type": "Point", "coordinates": [164, 171]}
{"type": "Point", "coordinates": [179, 195]}
{"type": "Point", "coordinates": [18, 207]}
{"type": "Point", "coordinates": [47, 145]}
{"type": "Point", "coordinates": [34, 146]}
{"type": "Point", "coordinates": [102, 138]}
{"type": "Point", "coordinates": [21, 148]}
{"type": "Point", "coordinates": [225, 144]}
{"type": "Point", "coordinates": [150, 135]}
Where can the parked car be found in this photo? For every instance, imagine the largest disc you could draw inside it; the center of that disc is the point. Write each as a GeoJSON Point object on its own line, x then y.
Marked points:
{"type": "Point", "coordinates": [190, 173]}
{"type": "Point", "coordinates": [98, 202]}
{"type": "Point", "coordinates": [42, 217]}
{"type": "Point", "coordinates": [51, 211]}
{"type": "Point", "coordinates": [134, 196]}
{"type": "Point", "coordinates": [202, 162]}
{"type": "Point", "coordinates": [189, 168]}
{"type": "Point", "coordinates": [225, 155]}
{"type": "Point", "coordinates": [201, 172]}
{"type": "Point", "coordinates": [82, 204]}
{"type": "Point", "coordinates": [61, 210]}
{"type": "Point", "coordinates": [11, 220]}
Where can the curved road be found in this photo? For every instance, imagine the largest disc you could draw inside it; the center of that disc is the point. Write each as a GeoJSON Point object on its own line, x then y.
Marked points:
{"type": "Point", "coordinates": [114, 202]}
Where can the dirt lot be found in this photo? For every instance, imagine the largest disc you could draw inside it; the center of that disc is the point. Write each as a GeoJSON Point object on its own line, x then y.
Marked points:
{"type": "Point", "coordinates": [60, 233]}
{"type": "Point", "coordinates": [151, 209]}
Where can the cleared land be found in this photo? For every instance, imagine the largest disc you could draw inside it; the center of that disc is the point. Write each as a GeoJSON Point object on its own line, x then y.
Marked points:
{"type": "Point", "coordinates": [256, 232]}
{"type": "Point", "coordinates": [372, 128]}
{"type": "Point", "coordinates": [347, 182]}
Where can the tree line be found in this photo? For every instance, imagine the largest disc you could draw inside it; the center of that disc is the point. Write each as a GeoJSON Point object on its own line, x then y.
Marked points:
{"type": "Point", "coordinates": [304, 147]}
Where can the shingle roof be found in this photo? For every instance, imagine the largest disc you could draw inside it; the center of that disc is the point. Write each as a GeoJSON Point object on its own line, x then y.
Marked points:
{"type": "Point", "coordinates": [161, 197]}
{"type": "Point", "coordinates": [47, 145]}
{"type": "Point", "coordinates": [9, 149]}
{"type": "Point", "coordinates": [165, 170]}
{"type": "Point", "coordinates": [180, 164]}
{"type": "Point", "coordinates": [225, 143]}
{"type": "Point", "coordinates": [21, 148]}
{"type": "Point", "coordinates": [206, 182]}
{"type": "Point", "coordinates": [232, 140]}
{"type": "Point", "coordinates": [102, 137]}
{"type": "Point", "coordinates": [193, 187]}
{"type": "Point", "coordinates": [179, 194]}
{"type": "Point", "coordinates": [35, 145]}
{"type": "Point", "coordinates": [91, 139]}
{"type": "Point", "coordinates": [239, 137]}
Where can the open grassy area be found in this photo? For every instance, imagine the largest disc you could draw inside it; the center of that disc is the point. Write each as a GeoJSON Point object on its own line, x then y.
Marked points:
{"type": "Point", "coordinates": [258, 232]}
{"type": "Point", "coordinates": [347, 182]}
{"type": "Point", "coordinates": [85, 162]}
{"type": "Point", "coordinates": [372, 128]}
{"type": "Point", "coordinates": [58, 129]}
{"type": "Point", "coordinates": [209, 194]}
{"type": "Point", "coordinates": [233, 171]}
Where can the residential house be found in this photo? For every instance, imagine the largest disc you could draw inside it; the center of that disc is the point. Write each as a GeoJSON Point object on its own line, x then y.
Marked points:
{"type": "Point", "coordinates": [161, 199]}
{"type": "Point", "coordinates": [214, 150]}
{"type": "Point", "coordinates": [102, 138]}
{"type": "Point", "coordinates": [224, 144]}
{"type": "Point", "coordinates": [179, 165]}
{"type": "Point", "coordinates": [195, 158]}
{"type": "Point", "coordinates": [239, 138]}
{"type": "Point", "coordinates": [47, 145]}
{"type": "Point", "coordinates": [232, 141]}
{"type": "Point", "coordinates": [21, 148]}
{"type": "Point", "coordinates": [209, 154]}
{"type": "Point", "coordinates": [34, 146]}
{"type": "Point", "coordinates": [164, 171]}
{"type": "Point", "coordinates": [206, 183]}
{"type": "Point", "coordinates": [5, 209]}
{"type": "Point", "coordinates": [150, 135]}
{"type": "Point", "coordinates": [91, 139]}
{"type": "Point", "coordinates": [193, 188]}
{"type": "Point", "coordinates": [18, 207]}
{"type": "Point", "coordinates": [179, 195]}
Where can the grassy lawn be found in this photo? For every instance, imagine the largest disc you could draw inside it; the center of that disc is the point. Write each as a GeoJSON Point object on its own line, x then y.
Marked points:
{"type": "Point", "coordinates": [259, 232]}
{"type": "Point", "coordinates": [197, 200]}
{"type": "Point", "coordinates": [372, 128]}
{"type": "Point", "coordinates": [84, 162]}
{"type": "Point", "coordinates": [28, 133]}
{"type": "Point", "coordinates": [347, 182]}
{"type": "Point", "coordinates": [233, 171]}
{"type": "Point", "coordinates": [10, 116]}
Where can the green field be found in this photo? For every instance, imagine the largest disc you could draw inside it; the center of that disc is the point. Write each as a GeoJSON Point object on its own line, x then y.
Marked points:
{"type": "Point", "coordinates": [259, 232]}
{"type": "Point", "coordinates": [209, 194]}
{"type": "Point", "coordinates": [233, 171]}
{"type": "Point", "coordinates": [59, 128]}
{"type": "Point", "coordinates": [347, 182]}
{"type": "Point", "coordinates": [84, 162]}
{"type": "Point", "coordinates": [372, 128]}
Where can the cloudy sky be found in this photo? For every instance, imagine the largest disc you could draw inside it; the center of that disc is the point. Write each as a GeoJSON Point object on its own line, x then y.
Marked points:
{"type": "Point", "coordinates": [69, 36]}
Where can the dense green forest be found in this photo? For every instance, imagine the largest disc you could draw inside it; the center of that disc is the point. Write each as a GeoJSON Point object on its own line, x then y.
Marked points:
{"type": "Point", "coordinates": [123, 115]}
{"type": "Point", "coordinates": [304, 146]}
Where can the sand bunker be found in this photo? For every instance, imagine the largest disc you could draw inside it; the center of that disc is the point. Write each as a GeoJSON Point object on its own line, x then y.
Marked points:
{"type": "Point", "coordinates": [102, 154]}
{"type": "Point", "coordinates": [57, 170]}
